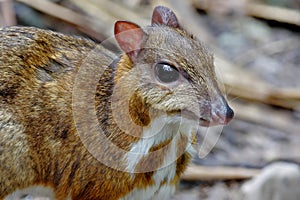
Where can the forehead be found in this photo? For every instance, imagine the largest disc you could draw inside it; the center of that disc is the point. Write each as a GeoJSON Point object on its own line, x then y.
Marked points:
{"type": "Point", "coordinates": [179, 46]}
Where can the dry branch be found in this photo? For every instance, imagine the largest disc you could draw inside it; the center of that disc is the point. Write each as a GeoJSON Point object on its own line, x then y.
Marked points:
{"type": "Point", "coordinates": [120, 12]}
{"type": "Point", "coordinates": [208, 173]}
{"type": "Point", "coordinates": [107, 13]}
{"type": "Point", "coordinates": [8, 13]}
{"type": "Point", "coordinates": [87, 25]}
{"type": "Point", "coordinates": [266, 116]}
{"type": "Point", "coordinates": [274, 13]}
{"type": "Point", "coordinates": [267, 12]}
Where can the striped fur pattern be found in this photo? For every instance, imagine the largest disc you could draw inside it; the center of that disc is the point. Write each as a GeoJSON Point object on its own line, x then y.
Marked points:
{"type": "Point", "coordinates": [43, 150]}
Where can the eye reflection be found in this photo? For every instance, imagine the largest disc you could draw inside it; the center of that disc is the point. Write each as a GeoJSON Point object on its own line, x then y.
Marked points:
{"type": "Point", "coordinates": [166, 73]}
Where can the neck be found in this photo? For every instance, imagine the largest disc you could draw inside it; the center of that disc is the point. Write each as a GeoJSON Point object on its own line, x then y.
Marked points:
{"type": "Point", "coordinates": [162, 142]}
{"type": "Point", "coordinates": [157, 160]}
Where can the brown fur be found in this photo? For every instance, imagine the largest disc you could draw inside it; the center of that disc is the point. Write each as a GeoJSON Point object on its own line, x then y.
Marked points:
{"type": "Point", "coordinates": [40, 142]}
{"type": "Point", "coordinates": [35, 95]}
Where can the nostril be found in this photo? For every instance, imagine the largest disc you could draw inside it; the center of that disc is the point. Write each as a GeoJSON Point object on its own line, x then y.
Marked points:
{"type": "Point", "coordinates": [229, 113]}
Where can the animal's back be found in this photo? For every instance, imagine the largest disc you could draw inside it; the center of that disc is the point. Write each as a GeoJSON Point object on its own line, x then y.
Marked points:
{"type": "Point", "coordinates": [37, 134]}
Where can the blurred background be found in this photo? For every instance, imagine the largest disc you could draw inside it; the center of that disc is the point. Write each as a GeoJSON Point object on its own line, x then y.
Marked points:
{"type": "Point", "coordinates": [257, 55]}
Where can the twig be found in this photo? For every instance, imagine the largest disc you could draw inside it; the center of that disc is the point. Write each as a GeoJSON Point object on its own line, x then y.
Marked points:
{"type": "Point", "coordinates": [286, 98]}
{"type": "Point", "coordinates": [204, 173]}
{"type": "Point", "coordinates": [108, 13]}
{"type": "Point", "coordinates": [8, 13]}
{"type": "Point", "coordinates": [268, 12]}
{"type": "Point", "coordinates": [274, 13]}
{"type": "Point", "coordinates": [266, 116]}
{"type": "Point", "coordinates": [95, 12]}
{"type": "Point", "coordinates": [120, 12]}
{"type": "Point", "coordinates": [85, 24]}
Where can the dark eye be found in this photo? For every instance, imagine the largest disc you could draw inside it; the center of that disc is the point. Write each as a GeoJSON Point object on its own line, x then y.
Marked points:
{"type": "Point", "coordinates": [166, 73]}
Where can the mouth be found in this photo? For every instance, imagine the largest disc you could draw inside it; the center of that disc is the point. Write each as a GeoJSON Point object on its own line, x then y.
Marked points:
{"type": "Point", "coordinates": [191, 115]}
{"type": "Point", "coordinates": [205, 122]}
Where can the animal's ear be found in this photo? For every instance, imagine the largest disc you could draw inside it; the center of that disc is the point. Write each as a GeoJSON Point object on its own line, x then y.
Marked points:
{"type": "Point", "coordinates": [130, 38]}
{"type": "Point", "coordinates": [164, 16]}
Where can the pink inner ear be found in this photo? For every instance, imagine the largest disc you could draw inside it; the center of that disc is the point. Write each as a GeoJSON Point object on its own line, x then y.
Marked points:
{"type": "Point", "coordinates": [130, 37]}
{"type": "Point", "coordinates": [164, 16]}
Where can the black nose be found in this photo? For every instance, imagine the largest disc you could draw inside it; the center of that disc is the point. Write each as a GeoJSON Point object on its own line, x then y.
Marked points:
{"type": "Point", "coordinates": [229, 113]}
{"type": "Point", "coordinates": [221, 113]}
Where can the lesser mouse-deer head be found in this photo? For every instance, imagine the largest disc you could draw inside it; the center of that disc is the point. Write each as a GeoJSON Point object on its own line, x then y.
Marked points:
{"type": "Point", "coordinates": [173, 71]}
